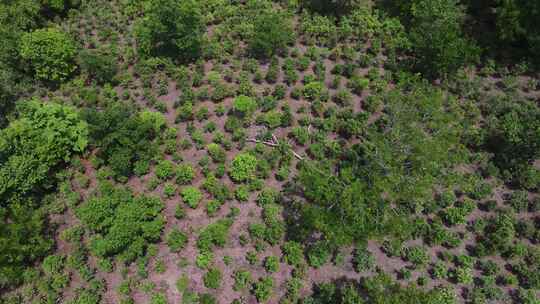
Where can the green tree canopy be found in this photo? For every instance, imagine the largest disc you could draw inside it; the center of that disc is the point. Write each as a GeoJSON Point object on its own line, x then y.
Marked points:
{"type": "Point", "coordinates": [50, 52]}
{"type": "Point", "coordinates": [271, 33]}
{"type": "Point", "coordinates": [439, 43]}
{"type": "Point", "coordinates": [43, 135]}
{"type": "Point", "coordinates": [403, 156]}
{"type": "Point", "coordinates": [31, 147]}
{"type": "Point", "coordinates": [171, 28]}
{"type": "Point", "coordinates": [332, 7]}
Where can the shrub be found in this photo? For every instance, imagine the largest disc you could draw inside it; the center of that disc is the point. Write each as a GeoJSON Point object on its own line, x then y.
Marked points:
{"type": "Point", "coordinates": [440, 271]}
{"type": "Point", "coordinates": [50, 52]}
{"type": "Point", "coordinates": [343, 97]}
{"type": "Point", "coordinates": [416, 255]}
{"type": "Point", "coordinates": [179, 212]}
{"type": "Point", "coordinates": [204, 259]}
{"type": "Point", "coordinates": [212, 207]}
{"type": "Point", "coordinates": [464, 275]}
{"type": "Point", "coordinates": [191, 196]}
{"type": "Point", "coordinates": [332, 7]}
{"type": "Point", "coordinates": [313, 90]}
{"type": "Point", "coordinates": [176, 240]}
{"type": "Point", "coordinates": [271, 264]}
{"type": "Point", "coordinates": [319, 254]}
{"type": "Point", "coordinates": [182, 283]}
{"type": "Point", "coordinates": [212, 278]}
{"type": "Point", "coordinates": [244, 105]}
{"type": "Point", "coordinates": [242, 280]}
{"type": "Point", "coordinates": [293, 253]}
{"type": "Point", "coordinates": [207, 298]}
{"type": "Point", "coordinates": [358, 84]}
{"type": "Point", "coordinates": [165, 169]}
{"type": "Point", "coordinates": [216, 153]}
{"type": "Point", "coordinates": [215, 234]}
{"type": "Point", "coordinates": [453, 216]}
{"type": "Point", "coordinates": [363, 260]}
{"type": "Point", "coordinates": [263, 289]}
{"type": "Point", "coordinates": [242, 193]}
{"type": "Point", "coordinates": [519, 201]}
{"type": "Point", "coordinates": [158, 298]}
{"type": "Point", "coordinates": [53, 265]}
{"type": "Point", "coordinates": [184, 174]}
{"type": "Point", "coordinates": [169, 190]}
{"type": "Point", "coordinates": [243, 167]}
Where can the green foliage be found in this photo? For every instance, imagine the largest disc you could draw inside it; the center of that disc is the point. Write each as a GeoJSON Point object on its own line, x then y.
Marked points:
{"type": "Point", "coordinates": [43, 135]}
{"type": "Point", "coordinates": [242, 280]}
{"type": "Point", "coordinates": [380, 289]}
{"type": "Point", "coordinates": [243, 167]}
{"type": "Point", "coordinates": [171, 28]}
{"type": "Point", "coordinates": [216, 152]}
{"type": "Point", "coordinates": [184, 174]}
{"type": "Point", "coordinates": [53, 264]}
{"type": "Point", "coordinates": [50, 52]}
{"type": "Point", "coordinates": [464, 275]}
{"type": "Point", "coordinates": [271, 33]}
{"type": "Point", "coordinates": [271, 264]}
{"type": "Point", "coordinates": [332, 7]}
{"type": "Point", "coordinates": [514, 138]}
{"type": "Point", "coordinates": [122, 224]}
{"type": "Point", "coordinates": [207, 298]}
{"type": "Point", "coordinates": [32, 146]}
{"type": "Point", "coordinates": [158, 298]}
{"type": "Point", "coordinates": [313, 90]}
{"type": "Point", "coordinates": [212, 278]}
{"type": "Point", "coordinates": [123, 136]}
{"type": "Point", "coordinates": [402, 158]}
{"type": "Point", "coordinates": [416, 255]}
{"type": "Point", "coordinates": [98, 64]}
{"type": "Point", "coordinates": [191, 196]}
{"type": "Point", "coordinates": [155, 119]}
{"type": "Point", "coordinates": [498, 234]}
{"type": "Point", "coordinates": [439, 43]}
{"type": "Point", "coordinates": [363, 260]}
{"type": "Point", "coordinates": [319, 254]}
{"type": "Point", "coordinates": [244, 105]}
{"type": "Point", "coordinates": [204, 259]}
{"type": "Point", "coordinates": [263, 289]}
{"type": "Point", "coordinates": [176, 240]}
{"type": "Point", "coordinates": [293, 253]}
{"type": "Point", "coordinates": [215, 234]}
{"type": "Point", "coordinates": [517, 20]}
{"type": "Point", "coordinates": [165, 169]}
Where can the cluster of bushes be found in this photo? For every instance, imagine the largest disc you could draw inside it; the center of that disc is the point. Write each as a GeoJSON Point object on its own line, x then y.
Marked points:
{"type": "Point", "coordinates": [121, 224]}
{"type": "Point", "coordinates": [124, 137]}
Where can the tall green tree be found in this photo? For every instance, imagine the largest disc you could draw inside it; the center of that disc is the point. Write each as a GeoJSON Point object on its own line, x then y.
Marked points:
{"type": "Point", "coordinates": [32, 146]}
{"type": "Point", "coordinates": [171, 28]}
{"type": "Point", "coordinates": [518, 21]}
{"type": "Point", "coordinates": [332, 7]}
{"type": "Point", "coordinates": [43, 135]}
{"type": "Point", "coordinates": [271, 33]}
{"type": "Point", "coordinates": [50, 53]}
{"type": "Point", "coordinates": [440, 46]}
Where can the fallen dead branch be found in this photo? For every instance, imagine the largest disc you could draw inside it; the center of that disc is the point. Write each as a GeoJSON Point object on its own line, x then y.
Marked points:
{"type": "Point", "coordinates": [274, 143]}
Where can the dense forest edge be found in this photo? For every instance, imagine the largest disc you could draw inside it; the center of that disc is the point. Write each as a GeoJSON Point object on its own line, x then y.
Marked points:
{"type": "Point", "coordinates": [259, 151]}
